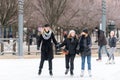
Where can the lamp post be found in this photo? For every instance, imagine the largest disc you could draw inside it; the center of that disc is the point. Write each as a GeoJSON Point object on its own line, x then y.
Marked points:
{"type": "Point", "coordinates": [20, 25]}
{"type": "Point", "coordinates": [104, 15]}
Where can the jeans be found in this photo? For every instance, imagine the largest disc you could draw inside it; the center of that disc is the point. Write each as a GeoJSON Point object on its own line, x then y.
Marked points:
{"type": "Point", "coordinates": [100, 50]}
{"type": "Point", "coordinates": [88, 62]}
{"type": "Point", "coordinates": [70, 59]}
{"type": "Point", "coordinates": [111, 53]}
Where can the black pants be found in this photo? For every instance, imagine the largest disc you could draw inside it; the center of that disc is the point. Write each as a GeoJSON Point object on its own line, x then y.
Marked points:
{"type": "Point", "coordinates": [69, 59]}
{"type": "Point", "coordinates": [42, 62]}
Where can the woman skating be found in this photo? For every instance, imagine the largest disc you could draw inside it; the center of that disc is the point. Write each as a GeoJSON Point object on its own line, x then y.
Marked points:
{"type": "Point", "coordinates": [70, 44]}
{"type": "Point", "coordinates": [85, 51]}
{"type": "Point", "coordinates": [45, 40]}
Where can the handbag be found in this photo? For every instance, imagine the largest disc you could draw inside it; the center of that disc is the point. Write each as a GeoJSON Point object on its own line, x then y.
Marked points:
{"type": "Point", "coordinates": [65, 51]}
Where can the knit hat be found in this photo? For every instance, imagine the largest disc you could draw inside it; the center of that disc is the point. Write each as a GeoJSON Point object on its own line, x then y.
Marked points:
{"type": "Point", "coordinates": [97, 27]}
{"type": "Point", "coordinates": [71, 31]}
{"type": "Point", "coordinates": [46, 25]}
{"type": "Point", "coordinates": [85, 30]}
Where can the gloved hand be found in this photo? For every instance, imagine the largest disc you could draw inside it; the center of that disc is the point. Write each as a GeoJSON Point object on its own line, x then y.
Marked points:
{"type": "Point", "coordinates": [58, 46]}
{"type": "Point", "coordinates": [77, 52]}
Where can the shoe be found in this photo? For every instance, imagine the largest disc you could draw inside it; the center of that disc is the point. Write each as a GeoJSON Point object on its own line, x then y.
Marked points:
{"type": "Point", "coordinates": [98, 59]}
{"type": "Point", "coordinates": [2, 53]}
{"type": "Point", "coordinates": [89, 72]}
{"type": "Point", "coordinates": [13, 54]}
{"type": "Point", "coordinates": [51, 74]}
{"type": "Point", "coordinates": [82, 73]}
{"type": "Point", "coordinates": [71, 73]}
{"type": "Point", "coordinates": [66, 72]}
{"type": "Point", "coordinates": [39, 72]}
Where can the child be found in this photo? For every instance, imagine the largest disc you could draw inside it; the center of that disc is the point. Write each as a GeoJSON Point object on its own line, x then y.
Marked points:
{"type": "Point", "coordinates": [112, 44]}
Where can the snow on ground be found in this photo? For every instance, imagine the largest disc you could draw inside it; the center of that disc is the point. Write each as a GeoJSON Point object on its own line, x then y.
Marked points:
{"type": "Point", "coordinates": [27, 69]}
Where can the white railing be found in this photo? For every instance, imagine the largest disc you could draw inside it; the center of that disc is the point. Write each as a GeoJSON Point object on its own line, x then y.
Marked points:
{"type": "Point", "coordinates": [8, 45]}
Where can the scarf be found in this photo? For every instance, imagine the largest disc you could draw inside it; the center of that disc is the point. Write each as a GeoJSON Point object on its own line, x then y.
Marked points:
{"type": "Point", "coordinates": [46, 35]}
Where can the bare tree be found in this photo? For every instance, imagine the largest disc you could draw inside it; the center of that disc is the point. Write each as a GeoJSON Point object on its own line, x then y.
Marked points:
{"type": "Point", "coordinates": [51, 10]}
{"type": "Point", "coordinates": [8, 12]}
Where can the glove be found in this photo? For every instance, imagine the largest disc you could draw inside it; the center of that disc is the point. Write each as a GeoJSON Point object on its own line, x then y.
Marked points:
{"type": "Point", "coordinates": [58, 46]}
{"type": "Point", "coordinates": [77, 52]}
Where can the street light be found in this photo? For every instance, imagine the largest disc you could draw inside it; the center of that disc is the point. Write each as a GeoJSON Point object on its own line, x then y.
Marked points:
{"type": "Point", "coordinates": [104, 15]}
{"type": "Point", "coordinates": [20, 25]}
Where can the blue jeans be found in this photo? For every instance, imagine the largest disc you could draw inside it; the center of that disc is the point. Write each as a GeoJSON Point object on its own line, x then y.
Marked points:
{"type": "Point", "coordinates": [88, 62]}
{"type": "Point", "coordinates": [112, 51]}
{"type": "Point", "coordinates": [100, 49]}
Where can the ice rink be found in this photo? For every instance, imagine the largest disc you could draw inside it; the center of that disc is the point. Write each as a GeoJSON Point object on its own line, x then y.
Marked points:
{"type": "Point", "coordinates": [27, 69]}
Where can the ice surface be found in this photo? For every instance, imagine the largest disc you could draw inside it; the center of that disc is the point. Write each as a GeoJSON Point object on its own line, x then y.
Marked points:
{"type": "Point", "coordinates": [27, 69]}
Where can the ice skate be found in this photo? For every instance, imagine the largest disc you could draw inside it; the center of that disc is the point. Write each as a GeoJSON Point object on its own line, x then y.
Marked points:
{"type": "Point", "coordinates": [50, 72]}
{"type": "Point", "coordinates": [39, 72]}
{"type": "Point", "coordinates": [66, 72]}
{"type": "Point", "coordinates": [89, 72]}
{"type": "Point", "coordinates": [108, 62]}
{"type": "Point", "coordinates": [82, 73]}
{"type": "Point", "coordinates": [113, 62]}
{"type": "Point", "coordinates": [98, 59]}
{"type": "Point", "coordinates": [71, 73]}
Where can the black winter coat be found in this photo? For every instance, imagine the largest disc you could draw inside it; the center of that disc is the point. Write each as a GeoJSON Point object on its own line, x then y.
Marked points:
{"type": "Point", "coordinates": [70, 45]}
{"type": "Point", "coordinates": [101, 38]}
{"type": "Point", "coordinates": [46, 47]}
{"type": "Point", "coordinates": [85, 45]}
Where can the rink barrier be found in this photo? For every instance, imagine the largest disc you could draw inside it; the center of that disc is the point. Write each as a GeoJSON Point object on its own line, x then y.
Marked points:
{"type": "Point", "coordinates": [8, 45]}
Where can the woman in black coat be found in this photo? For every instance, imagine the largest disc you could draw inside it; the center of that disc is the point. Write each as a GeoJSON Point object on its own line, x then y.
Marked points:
{"type": "Point", "coordinates": [46, 39]}
{"type": "Point", "coordinates": [70, 44]}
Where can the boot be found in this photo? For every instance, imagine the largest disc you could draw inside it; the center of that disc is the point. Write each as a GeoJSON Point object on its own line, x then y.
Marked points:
{"type": "Point", "coordinates": [39, 72]}
{"type": "Point", "coordinates": [82, 73]}
{"type": "Point", "coordinates": [66, 72]}
{"type": "Point", "coordinates": [50, 72]}
{"type": "Point", "coordinates": [89, 72]}
{"type": "Point", "coordinates": [71, 73]}
{"type": "Point", "coordinates": [13, 54]}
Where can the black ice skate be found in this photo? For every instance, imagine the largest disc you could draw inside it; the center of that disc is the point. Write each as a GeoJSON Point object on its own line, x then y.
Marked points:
{"type": "Point", "coordinates": [66, 72]}
{"type": "Point", "coordinates": [39, 72]}
{"type": "Point", "coordinates": [51, 74]}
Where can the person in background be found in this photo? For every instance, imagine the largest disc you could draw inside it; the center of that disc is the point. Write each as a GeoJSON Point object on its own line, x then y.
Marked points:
{"type": "Point", "coordinates": [65, 34]}
{"type": "Point", "coordinates": [102, 42]}
{"type": "Point", "coordinates": [45, 39]}
{"type": "Point", "coordinates": [70, 44]}
{"type": "Point", "coordinates": [112, 45]}
{"type": "Point", "coordinates": [85, 51]}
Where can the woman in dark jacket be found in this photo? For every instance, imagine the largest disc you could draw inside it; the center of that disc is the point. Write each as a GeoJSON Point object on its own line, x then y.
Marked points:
{"type": "Point", "coordinates": [46, 39]}
{"type": "Point", "coordinates": [85, 50]}
{"type": "Point", "coordinates": [70, 44]}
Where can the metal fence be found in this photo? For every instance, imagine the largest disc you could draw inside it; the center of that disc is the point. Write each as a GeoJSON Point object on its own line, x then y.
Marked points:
{"type": "Point", "coordinates": [8, 45]}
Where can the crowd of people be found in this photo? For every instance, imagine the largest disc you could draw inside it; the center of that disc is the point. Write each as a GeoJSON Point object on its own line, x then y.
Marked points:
{"type": "Point", "coordinates": [74, 45]}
